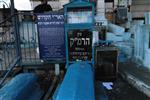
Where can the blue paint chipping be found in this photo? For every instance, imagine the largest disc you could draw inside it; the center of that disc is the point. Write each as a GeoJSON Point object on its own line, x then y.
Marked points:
{"type": "Point", "coordinates": [21, 87]}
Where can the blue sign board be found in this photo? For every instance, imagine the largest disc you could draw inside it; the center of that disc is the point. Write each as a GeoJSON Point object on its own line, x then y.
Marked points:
{"type": "Point", "coordinates": [51, 36]}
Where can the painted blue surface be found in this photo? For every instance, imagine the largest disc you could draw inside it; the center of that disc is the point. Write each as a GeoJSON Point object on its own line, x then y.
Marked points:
{"type": "Point", "coordinates": [76, 4]}
{"type": "Point", "coordinates": [122, 57]}
{"type": "Point", "coordinates": [78, 83]}
{"type": "Point", "coordinates": [22, 87]}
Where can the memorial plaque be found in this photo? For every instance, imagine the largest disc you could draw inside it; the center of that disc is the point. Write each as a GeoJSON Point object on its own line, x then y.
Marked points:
{"type": "Point", "coordinates": [51, 36]}
{"type": "Point", "coordinates": [80, 45]}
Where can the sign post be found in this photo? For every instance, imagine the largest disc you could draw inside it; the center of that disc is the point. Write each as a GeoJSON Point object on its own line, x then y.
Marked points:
{"type": "Point", "coordinates": [52, 38]}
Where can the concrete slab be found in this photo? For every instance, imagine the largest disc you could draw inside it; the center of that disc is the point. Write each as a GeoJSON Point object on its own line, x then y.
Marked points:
{"type": "Point", "coordinates": [136, 75]}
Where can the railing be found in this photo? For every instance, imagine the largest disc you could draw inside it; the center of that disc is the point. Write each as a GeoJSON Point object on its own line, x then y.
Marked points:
{"type": "Point", "coordinates": [18, 43]}
{"type": "Point", "coordinates": [9, 48]}
{"type": "Point", "coordinates": [29, 39]}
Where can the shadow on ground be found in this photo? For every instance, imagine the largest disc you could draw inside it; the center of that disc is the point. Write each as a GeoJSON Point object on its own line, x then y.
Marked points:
{"type": "Point", "coordinates": [124, 91]}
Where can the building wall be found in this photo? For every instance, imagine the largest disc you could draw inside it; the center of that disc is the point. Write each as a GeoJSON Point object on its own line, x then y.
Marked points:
{"type": "Point", "coordinates": [139, 7]}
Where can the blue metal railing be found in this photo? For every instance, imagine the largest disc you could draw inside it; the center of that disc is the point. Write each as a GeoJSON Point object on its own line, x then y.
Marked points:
{"type": "Point", "coordinates": [18, 43]}
{"type": "Point", "coordinates": [9, 46]}
{"type": "Point", "coordinates": [29, 39]}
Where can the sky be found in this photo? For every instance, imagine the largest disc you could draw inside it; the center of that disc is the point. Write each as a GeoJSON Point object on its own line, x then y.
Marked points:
{"type": "Point", "coordinates": [19, 4]}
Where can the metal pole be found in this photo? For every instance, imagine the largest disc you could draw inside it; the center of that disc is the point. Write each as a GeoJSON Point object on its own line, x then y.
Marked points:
{"type": "Point", "coordinates": [15, 28]}
{"type": "Point", "coordinates": [12, 9]}
{"type": "Point", "coordinates": [57, 69]}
